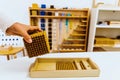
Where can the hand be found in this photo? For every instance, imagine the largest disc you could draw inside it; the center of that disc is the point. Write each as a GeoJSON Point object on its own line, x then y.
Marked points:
{"type": "Point", "coordinates": [21, 30]}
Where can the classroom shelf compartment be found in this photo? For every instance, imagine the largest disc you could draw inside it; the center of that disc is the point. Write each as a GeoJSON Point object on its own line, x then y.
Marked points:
{"type": "Point", "coordinates": [105, 22]}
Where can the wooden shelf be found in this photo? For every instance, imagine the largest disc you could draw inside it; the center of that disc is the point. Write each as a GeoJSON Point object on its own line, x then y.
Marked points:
{"type": "Point", "coordinates": [48, 9]}
{"type": "Point", "coordinates": [103, 45]}
{"type": "Point", "coordinates": [83, 21]}
{"type": "Point", "coordinates": [75, 39]}
{"type": "Point", "coordinates": [115, 49]}
{"type": "Point", "coordinates": [106, 49]}
{"type": "Point", "coordinates": [70, 50]}
{"type": "Point", "coordinates": [96, 49]}
{"type": "Point", "coordinates": [77, 34]}
{"type": "Point", "coordinates": [83, 25]}
{"type": "Point", "coordinates": [57, 17]}
{"type": "Point", "coordinates": [113, 46]}
{"type": "Point", "coordinates": [74, 27]}
{"type": "Point", "coordinates": [77, 45]}
{"type": "Point", "coordinates": [100, 26]}
{"type": "Point", "coordinates": [80, 30]}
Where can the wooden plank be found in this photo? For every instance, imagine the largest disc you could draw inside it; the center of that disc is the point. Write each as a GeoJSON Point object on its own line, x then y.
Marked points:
{"type": "Point", "coordinates": [87, 66]}
{"type": "Point", "coordinates": [48, 9]}
{"type": "Point", "coordinates": [78, 65]}
{"type": "Point", "coordinates": [73, 45]}
{"type": "Point", "coordinates": [57, 17]}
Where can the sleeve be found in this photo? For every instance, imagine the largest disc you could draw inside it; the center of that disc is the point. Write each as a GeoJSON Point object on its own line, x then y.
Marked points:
{"type": "Point", "coordinates": [5, 22]}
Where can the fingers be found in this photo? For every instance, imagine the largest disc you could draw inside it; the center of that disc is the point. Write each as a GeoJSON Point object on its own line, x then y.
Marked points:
{"type": "Point", "coordinates": [27, 37]}
{"type": "Point", "coordinates": [22, 30]}
{"type": "Point", "coordinates": [34, 28]}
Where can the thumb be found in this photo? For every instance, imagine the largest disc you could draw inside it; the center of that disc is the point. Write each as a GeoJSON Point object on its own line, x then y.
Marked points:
{"type": "Point", "coordinates": [27, 37]}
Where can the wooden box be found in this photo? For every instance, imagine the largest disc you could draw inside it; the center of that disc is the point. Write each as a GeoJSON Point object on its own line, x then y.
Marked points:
{"type": "Point", "coordinates": [63, 67]}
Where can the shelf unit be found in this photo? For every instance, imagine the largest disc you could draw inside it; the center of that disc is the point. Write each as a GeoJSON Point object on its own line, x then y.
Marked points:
{"type": "Point", "coordinates": [99, 27]}
{"type": "Point", "coordinates": [67, 29]}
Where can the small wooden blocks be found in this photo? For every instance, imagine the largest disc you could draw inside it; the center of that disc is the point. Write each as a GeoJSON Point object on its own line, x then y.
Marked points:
{"type": "Point", "coordinates": [39, 44]}
{"type": "Point", "coordinates": [63, 67]}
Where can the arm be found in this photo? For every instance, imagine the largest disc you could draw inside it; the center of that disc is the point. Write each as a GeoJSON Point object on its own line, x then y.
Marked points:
{"type": "Point", "coordinates": [11, 27]}
{"type": "Point", "coordinates": [21, 30]}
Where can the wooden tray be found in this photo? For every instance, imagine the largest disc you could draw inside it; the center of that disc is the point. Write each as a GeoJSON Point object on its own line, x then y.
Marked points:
{"type": "Point", "coordinates": [63, 67]}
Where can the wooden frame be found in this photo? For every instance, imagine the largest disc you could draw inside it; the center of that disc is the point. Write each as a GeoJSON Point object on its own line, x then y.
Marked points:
{"type": "Point", "coordinates": [63, 67]}
{"type": "Point", "coordinates": [80, 17]}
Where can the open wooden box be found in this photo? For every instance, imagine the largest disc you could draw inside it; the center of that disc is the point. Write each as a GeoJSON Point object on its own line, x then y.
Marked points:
{"type": "Point", "coordinates": [63, 67]}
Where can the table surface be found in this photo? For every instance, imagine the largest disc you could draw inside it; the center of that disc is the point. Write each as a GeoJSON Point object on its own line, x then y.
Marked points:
{"type": "Point", "coordinates": [13, 51]}
{"type": "Point", "coordinates": [108, 62]}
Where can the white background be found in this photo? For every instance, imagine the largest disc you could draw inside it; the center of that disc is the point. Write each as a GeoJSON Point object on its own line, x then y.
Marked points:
{"type": "Point", "coordinates": [18, 9]}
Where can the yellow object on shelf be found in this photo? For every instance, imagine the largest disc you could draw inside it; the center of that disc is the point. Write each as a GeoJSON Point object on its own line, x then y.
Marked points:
{"type": "Point", "coordinates": [35, 5]}
{"type": "Point", "coordinates": [116, 42]}
{"type": "Point", "coordinates": [34, 12]}
{"type": "Point", "coordinates": [104, 42]}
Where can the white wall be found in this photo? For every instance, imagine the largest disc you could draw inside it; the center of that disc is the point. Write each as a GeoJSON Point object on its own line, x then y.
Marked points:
{"type": "Point", "coordinates": [18, 9]}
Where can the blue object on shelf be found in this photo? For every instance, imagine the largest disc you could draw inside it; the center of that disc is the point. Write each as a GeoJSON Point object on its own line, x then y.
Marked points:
{"type": "Point", "coordinates": [42, 20]}
{"type": "Point", "coordinates": [43, 5]}
{"type": "Point", "coordinates": [63, 14]}
{"type": "Point", "coordinates": [42, 25]}
{"type": "Point", "coordinates": [42, 13]}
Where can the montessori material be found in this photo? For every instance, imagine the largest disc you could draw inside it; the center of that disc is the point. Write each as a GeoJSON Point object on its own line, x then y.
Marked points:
{"type": "Point", "coordinates": [63, 67]}
{"type": "Point", "coordinates": [67, 29]}
{"type": "Point", "coordinates": [39, 44]}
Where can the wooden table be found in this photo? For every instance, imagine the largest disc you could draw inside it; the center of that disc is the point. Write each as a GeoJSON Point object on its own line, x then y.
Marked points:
{"type": "Point", "coordinates": [108, 62]}
{"type": "Point", "coordinates": [12, 52]}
